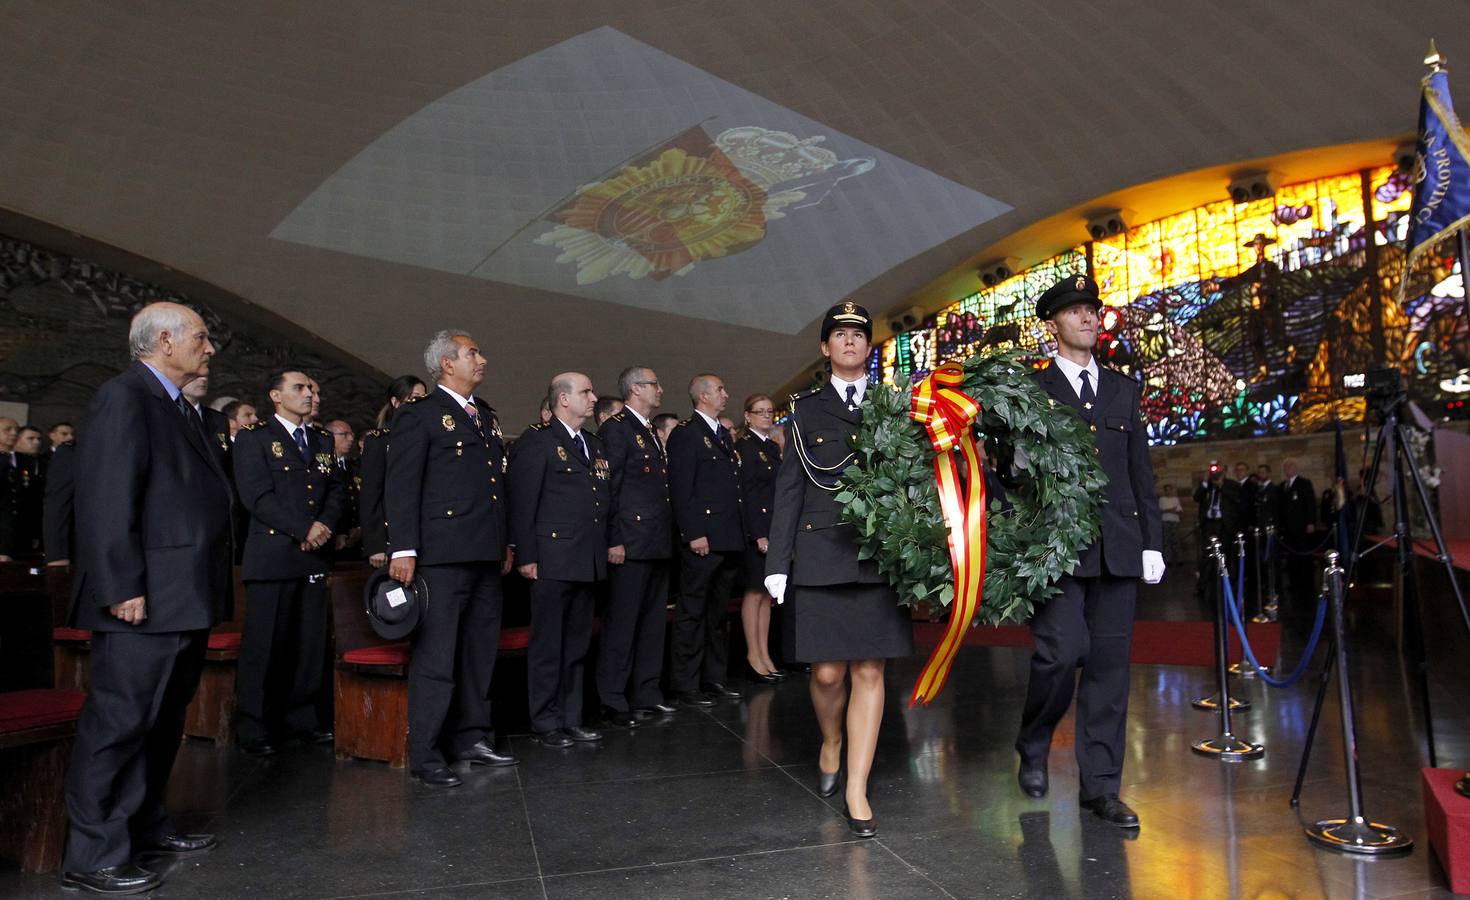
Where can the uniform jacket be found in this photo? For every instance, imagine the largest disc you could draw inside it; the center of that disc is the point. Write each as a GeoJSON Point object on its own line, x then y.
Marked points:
{"type": "Point", "coordinates": [152, 513]}
{"type": "Point", "coordinates": [1130, 509]}
{"type": "Point", "coordinates": [217, 426]}
{"type": "Point", "coordinates": [807, 542]}
{"type": "Point", "coordinates": [445, 489]}
{"type": "Point", "coordinates": [1298, 506]}
{"type": "Point", "coordinates": [59, 518]}
{"type": "Point", "coordinates": [640, 517]}
{"type": "Point", "coordinates": [372, 469]}
{"type": "Point", "coordinates": [704, 487]}
{"type": "Point", "coordinates": [559, 504]}
{"type": "Point", "coordinates": [760, 460]}
{"type": "Point", "coordinates": [284, 495]}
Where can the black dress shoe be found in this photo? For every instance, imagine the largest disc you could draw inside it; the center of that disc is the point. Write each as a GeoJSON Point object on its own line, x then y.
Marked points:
{"type": "Point", "coordinates": [437, 776]}
{"type": "Point", "coordinates": [1033, 780]}
{"type": "Point", "coordinates": [779, 675]}
{"type": "Point", "coordinates": [553, 738]}
{"type": "Point", "coordinates": [180, 845]}
{"type": "Point", "coordinates": [482, 754]}
{"type": "Point", "coordinates": [124, 879]}
{"type": "Point", "coordinates": [316, 737]}
{"type": "Point", "coordinates": [717, 689]}
{"type": "Point", "coordinates": [1112, 810]}
{"type": "Point", "coordinates": [863, 828]}
{"type": "Point", "coordinates": [658, 709]}
{"type": "Point", "coordinates": [766, 678]}
{"type": "Point", "coordinates": [619, 719]}
{"type": "Point", "coordinates": [261, 747]}
{"type": "Point", "coordinates": [583, 735]}
{"type": "Point", "coordinates": [690, 698]}
{"type": "Point", "coordinates": [827, 783]}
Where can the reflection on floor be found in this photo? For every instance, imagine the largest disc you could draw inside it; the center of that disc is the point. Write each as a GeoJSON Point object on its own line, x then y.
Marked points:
{"type": "Point", "coordinates": [722, 803]}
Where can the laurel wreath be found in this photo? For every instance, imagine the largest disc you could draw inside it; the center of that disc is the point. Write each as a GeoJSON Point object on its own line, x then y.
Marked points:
{"type": "Point", "coordinates": [1053, 488]}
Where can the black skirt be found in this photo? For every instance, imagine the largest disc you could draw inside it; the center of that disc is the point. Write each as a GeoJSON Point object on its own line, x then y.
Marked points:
{"type": "Point", "coordinates": [755, 568]}
{"type": "Point", "coordinates": [845, 622]}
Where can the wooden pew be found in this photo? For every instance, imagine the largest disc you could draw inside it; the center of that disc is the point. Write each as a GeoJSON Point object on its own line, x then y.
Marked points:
{"type": "Point", "coordinates": [37, 730]}
{"type": "Point", "coordinates": [211, 714]}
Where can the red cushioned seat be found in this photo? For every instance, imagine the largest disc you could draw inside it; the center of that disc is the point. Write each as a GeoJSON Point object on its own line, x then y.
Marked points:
{"type": "Point", "coordinates": [71, 634]}
{"type": "Point", "coordinates": [380, 655]}
{"type": "Point", "coordinates": [515, 638]}
{"type": "Point", "coordinates": [224, 640]}
{"type": "Point", "coordinates": [23, 710]}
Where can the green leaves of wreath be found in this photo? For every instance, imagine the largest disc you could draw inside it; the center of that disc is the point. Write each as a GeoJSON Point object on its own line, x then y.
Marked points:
{"type": "Point", "coordinates": [1053, 487]}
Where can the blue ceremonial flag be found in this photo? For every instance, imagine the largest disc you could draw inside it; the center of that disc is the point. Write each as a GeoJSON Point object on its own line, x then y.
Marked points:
{"type": "Point", "coordinates": [1441, 167]}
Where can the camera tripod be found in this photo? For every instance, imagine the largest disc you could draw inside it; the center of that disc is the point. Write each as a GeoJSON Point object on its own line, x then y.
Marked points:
{"type": "Point", "coordinates": [1392, 442]}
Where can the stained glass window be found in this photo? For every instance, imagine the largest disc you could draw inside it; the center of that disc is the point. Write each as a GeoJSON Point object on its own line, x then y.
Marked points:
{"type": "Point", "coordinates": [1241, 319]}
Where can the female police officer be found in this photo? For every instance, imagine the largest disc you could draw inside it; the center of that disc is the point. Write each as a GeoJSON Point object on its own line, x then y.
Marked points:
{"type": "Point", "coordinates": [845, 619]}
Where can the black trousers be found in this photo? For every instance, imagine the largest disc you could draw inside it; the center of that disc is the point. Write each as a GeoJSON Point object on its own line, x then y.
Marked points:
{"type": "Point", "coordinates": [632, 642]}
{"type": "Point", "coordinates": [278, 683]}
{"type": "Point", "coordinates": [127, 737]}
{"type": "Point", "coordinates": [701, 646]}
{"type": "Point", "coordinates": [561, 630]}
{"type": "Point", "coordinates": [1089, 624]}
{"type": "Point", "coordinates": [452, 663]}
{"type": "Point", "coordinates": [1301, 567]}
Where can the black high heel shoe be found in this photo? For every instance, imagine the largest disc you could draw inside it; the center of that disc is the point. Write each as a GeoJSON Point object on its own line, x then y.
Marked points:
{"type": "Point", "coordinates": [863, 828]}
{"type": "Point", "coordinates": [827, 783]}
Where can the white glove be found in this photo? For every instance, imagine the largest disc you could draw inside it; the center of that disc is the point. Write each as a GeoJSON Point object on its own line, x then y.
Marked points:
{"type": "Point", "coordinates": [776, 587]}
{"type": "Point", "coordinates": [1153, 566]}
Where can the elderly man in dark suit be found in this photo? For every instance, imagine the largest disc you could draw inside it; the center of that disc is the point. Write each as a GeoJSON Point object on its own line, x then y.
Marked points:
{"type": "Point", "coordinates": [153, 574]}
{"type": "Point", "coordinates": [1090, 623]}
{"type": "Point", "coordinates": [446, 506]}
{"type": "Point", "coordinates": [704, 486]}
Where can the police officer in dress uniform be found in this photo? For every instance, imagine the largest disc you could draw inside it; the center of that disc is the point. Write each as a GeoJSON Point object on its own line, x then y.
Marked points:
{"type": "Point", "coordinates": [558, 516]}
{"type": "Point", "coordinates": [153, 575]}
{"type": "Point", "coordinates": [640, 539]}
{"type": "Point", "coordinates": [1297, 513]}
{"type": "Point", "coordinates": [373, 470]}
{"type": "Point", "coordinates": [760, 459]}
{"type": "Point", "coordinates": [286, 480]}
{"type": "Point", "coordinates": [349, 528]}
{"type": "Point", "coordinates": [844, 615]}
{"type": "Point", "coordinates": [704, 487]}
{"type": "Point", "coordinates": [1090, 623]}
{"type": "Point", "coordinates": [446, 506]}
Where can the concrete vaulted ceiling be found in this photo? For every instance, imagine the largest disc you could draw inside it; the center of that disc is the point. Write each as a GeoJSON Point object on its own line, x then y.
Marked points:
{"type": "Point", "coordinates": [373, 171]}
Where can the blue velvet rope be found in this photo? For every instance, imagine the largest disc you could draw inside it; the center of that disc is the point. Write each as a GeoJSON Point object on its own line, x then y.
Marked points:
{"type": "Point", "coordinates": [1250, 654]}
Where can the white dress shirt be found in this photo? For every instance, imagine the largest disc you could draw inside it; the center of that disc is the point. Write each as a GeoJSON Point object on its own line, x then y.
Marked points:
{"type": "Point", "coordinates": [1074, 373]}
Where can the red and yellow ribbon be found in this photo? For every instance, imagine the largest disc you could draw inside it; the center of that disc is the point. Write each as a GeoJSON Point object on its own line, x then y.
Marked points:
{"type": "Point", "coordinates": [949, 415]}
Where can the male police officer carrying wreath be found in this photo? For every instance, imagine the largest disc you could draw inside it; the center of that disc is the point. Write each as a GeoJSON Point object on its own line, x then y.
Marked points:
{"type": "Point", "coordinates": [446, 506]}
{"type": "Point", "coordinates": [1090, 623]}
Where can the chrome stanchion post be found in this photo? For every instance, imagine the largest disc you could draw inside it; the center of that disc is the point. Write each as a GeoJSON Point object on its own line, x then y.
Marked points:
{"type": "Point", "coordinates": [1272, 607]}
{"type": "Point", "coordinates": [1226, 746]}
{"type": "Point", "coordinates": [1243, 668]}
{"type": "Point", "coordinates": [1212, 702]}
{"type": "Point", "coordinates": [1354, 834]}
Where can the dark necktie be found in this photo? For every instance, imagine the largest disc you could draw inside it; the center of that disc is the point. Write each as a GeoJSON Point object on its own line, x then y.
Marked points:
{"type": "Point", "coordinates": [581, 447]}
{"type": "Point", "coordinates": [300, 435]}
{"type": "Point", "coordinates": [722, 435]}
{"type": "Point", "coordinates": [1088, 397]}
{"type": "Point", "coordinates": [191, 415]}
{"type": "Point", "coordinates": [474, 413]}
{"type": "Point", "coordinates": [852, 398]}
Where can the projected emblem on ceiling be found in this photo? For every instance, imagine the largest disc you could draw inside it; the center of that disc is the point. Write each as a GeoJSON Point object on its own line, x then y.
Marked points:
{"type": "Point", "coordinates": [603, 168]}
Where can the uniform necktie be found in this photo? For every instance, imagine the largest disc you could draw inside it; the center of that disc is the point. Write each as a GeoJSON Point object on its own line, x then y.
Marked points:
{"type": "Point", "coordinates": [581, 447]}
{"type": "Point", "coordinates": [722, 434]}
{"type": "Point", "coordinates": [474, 413]}
{"type": "Point", "coordinates": [300, 435]}
{"type": "Point", "coordinates": [1088, 397]}
{"type": "Point", "coordinates": [851, 397]}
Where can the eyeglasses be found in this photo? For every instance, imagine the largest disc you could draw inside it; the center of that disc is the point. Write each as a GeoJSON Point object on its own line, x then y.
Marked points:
{"type": "Point", "coordinates": [650, 383]}
{"type": "Point", "coordinates": [762, 412]}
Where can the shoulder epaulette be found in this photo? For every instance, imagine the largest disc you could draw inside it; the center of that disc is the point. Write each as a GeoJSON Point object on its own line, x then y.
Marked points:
{"type": "Point", "coordinates": [252, 426]}
{"type": "Point", "coordinates": [618, 416]}
{"type": "Point", "coordinates": [540, 425]}
{"type": "Point", "coordinates": [375, 432]}
{"type": "Point", "coordinates": [686, 421]}
{"type": "Point", "coordinates": [808, 393]}
{"type": "Point", "coordinates": [414, 399]}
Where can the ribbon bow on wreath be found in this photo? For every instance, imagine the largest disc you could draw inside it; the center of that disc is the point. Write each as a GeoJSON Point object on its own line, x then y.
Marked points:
{"type": "Point", "coordinates": [916, 496]}
{"type": "Point", "coordinates": [948, 414]}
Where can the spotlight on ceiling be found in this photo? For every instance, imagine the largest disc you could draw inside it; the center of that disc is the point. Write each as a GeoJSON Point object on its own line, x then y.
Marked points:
{"type": "Point", "coordinates": [1250, 186]}
{"type": "Point", "coordinates": [1405, 155]}
{"type": "Point", "coordinates": [1108, 223]}
{"type": "Point", "coordinates": [998, 270]}
{"type": "Point", "coordinates": [906, 319]}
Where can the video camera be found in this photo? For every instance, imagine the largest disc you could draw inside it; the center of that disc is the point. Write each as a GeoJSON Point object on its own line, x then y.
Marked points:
{"type": "Point", "coordinates": [1383, 386]}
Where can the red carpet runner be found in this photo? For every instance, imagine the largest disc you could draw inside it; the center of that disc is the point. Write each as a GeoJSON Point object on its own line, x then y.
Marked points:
{"type": "Point", "coordinates": [1154, 643]}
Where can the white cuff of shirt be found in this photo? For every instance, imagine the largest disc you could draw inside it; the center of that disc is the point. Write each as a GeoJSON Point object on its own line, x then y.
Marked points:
{"type": "Point", "coordinates": [400, 554]}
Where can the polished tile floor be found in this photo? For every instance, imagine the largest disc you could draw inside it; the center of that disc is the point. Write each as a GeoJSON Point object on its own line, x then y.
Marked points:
{"type": "Point", "coordinates": [721, 803]}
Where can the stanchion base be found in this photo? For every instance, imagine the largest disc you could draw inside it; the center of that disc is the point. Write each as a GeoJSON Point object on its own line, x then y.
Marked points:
{"type": "Point", "coordinates": [1245, 670]}
{"type": "Point", "coordinates": [1228, 748]}
{"type": "Point", "coordinates": [1358, 836]}
{"type": "Point", "coordinates": [1261, 619]}
{"type": "Point", "coordinates": [1212, 703]}
{"type": "Point", "coordinates": [1463, 785]}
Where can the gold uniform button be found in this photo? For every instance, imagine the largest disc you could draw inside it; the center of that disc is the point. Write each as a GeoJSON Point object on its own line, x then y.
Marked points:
{"type": "Point", "coordinates": [819, 440]}
{"type": "Point", "coordinates": [494, 497]}
{"type": "Point", "coordinates": [763, 509]}
{"type": "Point", "coordinates": [637, 518]}
{"type": "Point", "coordinates": [594, 520]}
{"type": "Point", "coordinates": [1093, 427]}
{"type": "Point", "coordinates": [553, 534]}
{"type": "Point", "coordinates": [449, 513]}
{"type": "Point", "coordinates": [706, 512]}
{"type": "Point", "coordinates": [310, 486]}
{"type": "Point", "coordinates": [809, 526]}
{"type": "Point", "coordinates": [273, 531]}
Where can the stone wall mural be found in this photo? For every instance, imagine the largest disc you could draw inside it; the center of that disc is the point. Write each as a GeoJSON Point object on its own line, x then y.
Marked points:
{"type": "Point", "coordinates": [63, 331]}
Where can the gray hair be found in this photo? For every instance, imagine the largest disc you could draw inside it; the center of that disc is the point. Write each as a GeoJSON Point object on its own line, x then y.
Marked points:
{"type": "Point", "coordinates": [558, 387]}
{"type": "Point", "coordinates": [700, 385]}
{"type": "Point", "coordinates": [628, 378]}
{"type": "Point", "coordinates": [442, 347]}
{"type": "Point", "coordinates": [151, 321]}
